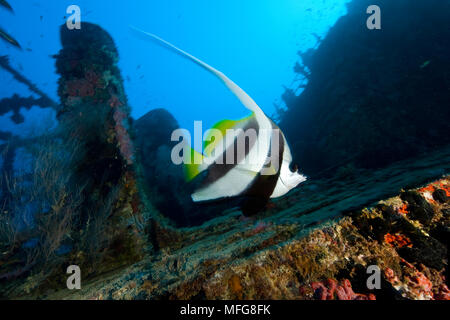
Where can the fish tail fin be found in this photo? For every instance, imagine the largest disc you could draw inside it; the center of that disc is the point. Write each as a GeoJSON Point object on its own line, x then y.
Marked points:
{"type": "Point", "coordinates": [245, 99]}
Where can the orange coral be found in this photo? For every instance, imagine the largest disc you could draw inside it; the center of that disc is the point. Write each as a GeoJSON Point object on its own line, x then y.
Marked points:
{"type": "Point", "coordinates": [235, 285]}
{"type": "Point", "coordinates": [445, 187]}
{"type": "Point", "coordinates": [397, 240]}
{"type": "Point", "coordinates": [429, 188]}
{"type": "Point", "coordinates": [427, 193]}
{"type": "Point", "coordinates": [403, 209]}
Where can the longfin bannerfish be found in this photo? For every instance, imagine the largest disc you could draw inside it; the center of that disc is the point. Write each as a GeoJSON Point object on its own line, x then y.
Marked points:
{"type": "Point", "coordinates": [241, 177]}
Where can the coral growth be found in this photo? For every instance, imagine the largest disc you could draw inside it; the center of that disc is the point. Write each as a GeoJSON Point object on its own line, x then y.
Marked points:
{"type": "Point", "coordinates": [235, 286]}
{"type": "Point", "coordinates": [331, 290]}
{"type": "Point", "coordinates": [397, 240]}
{"type": "Point", "coordinates": [259, 227]}
{"type": "Point", "coordinates": [439, 190]}
{"type": "Point", "coordinates": [285, 259]}
{"type": "Point", "coordinates": [416, 283]}
{"type": "Point", "coordinates": [403, 209]}
{"type": "Point", "coordinates": [90, 212]}
{"type": "Point", "coordinates": [123, 137]}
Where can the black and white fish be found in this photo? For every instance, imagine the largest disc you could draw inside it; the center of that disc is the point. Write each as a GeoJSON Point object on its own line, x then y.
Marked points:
{"type": "Point", "coordinates": [259, 172]}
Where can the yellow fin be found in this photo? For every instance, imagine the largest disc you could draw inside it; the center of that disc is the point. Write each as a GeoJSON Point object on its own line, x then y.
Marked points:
{"type": "Point", "coordinates": [222, 126]}
{"type": "Point", "coordinates": [194, 166]}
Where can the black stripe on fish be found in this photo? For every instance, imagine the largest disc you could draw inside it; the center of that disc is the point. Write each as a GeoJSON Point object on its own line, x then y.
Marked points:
{"type": "Point", "coordinates": [259, 192]}
{"type": "Point", "coordinates": [217, 170]}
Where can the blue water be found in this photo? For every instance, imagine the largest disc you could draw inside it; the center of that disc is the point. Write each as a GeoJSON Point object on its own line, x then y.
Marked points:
{"type": "Point", "coordinates": [254, 42]}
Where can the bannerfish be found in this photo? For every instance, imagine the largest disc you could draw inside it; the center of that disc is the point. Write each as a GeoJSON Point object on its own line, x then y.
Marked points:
{"type": "Point", "coordinates": [252, 175]}
{"type": "Point", "coordinates": [9, 39]}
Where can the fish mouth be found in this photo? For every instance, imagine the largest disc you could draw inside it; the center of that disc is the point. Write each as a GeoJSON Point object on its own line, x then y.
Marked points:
{"type": "Point", "coordinates": [293, 179]}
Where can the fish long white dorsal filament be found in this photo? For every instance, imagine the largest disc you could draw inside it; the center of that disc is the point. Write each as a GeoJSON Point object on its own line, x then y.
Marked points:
{"type": "Point", "coordinates": [245, 99]}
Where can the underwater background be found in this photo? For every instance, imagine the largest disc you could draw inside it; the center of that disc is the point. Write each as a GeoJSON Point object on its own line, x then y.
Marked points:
{"type": "Point", "coordinates": [254, 42]}
{"type": "Point", "coordinates": [87, 177]}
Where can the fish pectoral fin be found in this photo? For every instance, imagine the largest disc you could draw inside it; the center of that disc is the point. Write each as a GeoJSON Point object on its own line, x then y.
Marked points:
{"type": "Point", "coordinates": [232, 184]}
{"type": "Point", "coordinates": [271, 170]}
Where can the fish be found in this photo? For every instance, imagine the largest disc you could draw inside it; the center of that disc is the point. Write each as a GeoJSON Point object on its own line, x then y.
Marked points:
{"type": "Point", "coordinates": [253, 181]}
{"type": "Point", "coordinates": [426, 63]}
{"type": "Point", "coordinates": [6, 5]}
{"type": "Point", "coordinates": [9, 39]}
